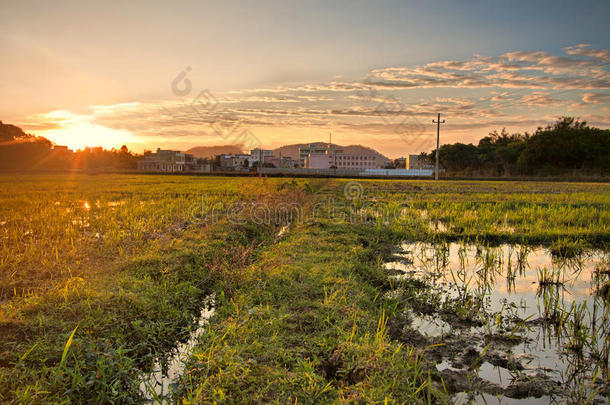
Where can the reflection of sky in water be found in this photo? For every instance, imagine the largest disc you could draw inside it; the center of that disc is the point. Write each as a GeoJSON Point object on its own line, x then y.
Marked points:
{"type": "Point", "coordinates": [156, 387]}
{"type": "Point", "coordinates": [429, 325]}
{"type": "Point", "coordinates": [576, 274]}
{"type": "Point", "coordinates": [464, 266]}
{"type": "Point", "coordinates": [462, 399]}
{"type": "Point", "coordinates": [455, 268]}
{"type": "Point", "coordinates": [497, 375]}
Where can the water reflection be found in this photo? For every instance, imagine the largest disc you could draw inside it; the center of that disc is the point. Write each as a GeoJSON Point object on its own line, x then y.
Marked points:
{"type": "Point", "coordinates": [156, 387]}
{"type": "Point", "coordinates": [553, 304]}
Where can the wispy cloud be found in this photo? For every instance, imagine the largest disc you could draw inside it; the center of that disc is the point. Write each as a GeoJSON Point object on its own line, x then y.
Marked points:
{"type": "Point", "coordinates": [586, 50]}
{"type": "Point", "coordinates": [596, 98]}
{"type": "Point", "coordinates": [521, 89]}
{"type": "Point", "coordinates": [523, 69]}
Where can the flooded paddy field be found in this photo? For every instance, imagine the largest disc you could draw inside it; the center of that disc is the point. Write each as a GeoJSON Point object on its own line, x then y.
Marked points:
{"type": "Point", "coordinates": [507, 323]}
{"type": "Point", "coordinates": [130, 289]}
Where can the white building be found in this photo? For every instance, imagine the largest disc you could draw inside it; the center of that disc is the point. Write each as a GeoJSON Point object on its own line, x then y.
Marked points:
{"type": "Point", "coordinates": [258, 154]}
{"type": "Point", "coordinates": [336, 158]}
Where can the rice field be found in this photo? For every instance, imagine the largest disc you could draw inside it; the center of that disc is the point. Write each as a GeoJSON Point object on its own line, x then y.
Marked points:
{"type": "Point", "coordinates": [325, 290]}
{"type": "Point", "coordinates": [537, 319]}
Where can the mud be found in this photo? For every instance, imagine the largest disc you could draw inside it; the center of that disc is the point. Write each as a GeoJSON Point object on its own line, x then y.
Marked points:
{"type": "Point", "coordinates": [492, 348]}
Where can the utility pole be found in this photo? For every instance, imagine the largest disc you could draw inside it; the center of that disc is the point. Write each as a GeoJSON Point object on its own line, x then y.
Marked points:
{"type": "Point", "coordinates": [438, 123]}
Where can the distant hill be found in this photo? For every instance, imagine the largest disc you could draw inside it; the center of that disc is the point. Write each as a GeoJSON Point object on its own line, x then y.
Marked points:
{"type": "Point", "coordinates": [211, 151]}
{"type": "Point", "coordinates": [286, 150]}
{"type": "Point", "coordinates": [293, 150]}
{"type": "Point", "coordinates": [10, 132]}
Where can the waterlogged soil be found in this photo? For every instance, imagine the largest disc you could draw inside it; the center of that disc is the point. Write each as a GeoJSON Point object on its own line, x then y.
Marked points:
{"type": "Point", "coordinates": [507, 324]}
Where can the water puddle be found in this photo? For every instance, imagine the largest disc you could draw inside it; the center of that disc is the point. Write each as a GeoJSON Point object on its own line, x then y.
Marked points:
{"type": "Point", "coordinates": [463, 398]}
{"type": "Point", "coordinates": [156, 387]}
{"type": "Point", "coordinates": [283, 230]}
{"type": "Point", "coordinates": [531, 319]}
{"type": "Point", "coordinates": [486, 371]}
{"type": "Point", "coordinates": [495, 374]}
{"type": "Point", "coordinates": [429, 325]}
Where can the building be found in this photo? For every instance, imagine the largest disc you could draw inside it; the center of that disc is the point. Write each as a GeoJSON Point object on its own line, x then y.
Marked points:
{"type": "Point", "coordinates": [357, 161]}
{"type": "Point", "coordinates": [318, 161]}
{"type": "Point", "coordinates": [285, 162]}
{"type": "Point", "coordinates": [400, 163]}
{"type": "Point", "coordinates": [418, 162]}
{"type": "Point", "coordinates": [172, 161]}
{"type": "Point", "coordinates": [257, 154]}
{"type": "Point", "coordinates": [337, 159]}
{"type": "Point", "coordinates": [163, 161]}
{"type": "Point", "coordinates": [311, 149]}
{"type": "Point", "coordinates": [233, 162]}
{"type": "Point", "coordinates": [242, 158]}
{"type": "Point", "coordinates": [203, 165]}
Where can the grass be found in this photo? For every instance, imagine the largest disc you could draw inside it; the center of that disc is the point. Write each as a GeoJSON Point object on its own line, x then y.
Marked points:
{"type": "Point", "coordinates": [133, 295]}
{"type": "Point", "coordinates": [307, 327]}
{"type": "Point", "coordinates": [100, 275]}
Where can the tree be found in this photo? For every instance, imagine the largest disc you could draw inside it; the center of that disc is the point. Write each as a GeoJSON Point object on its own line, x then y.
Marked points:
{"type": "Point", "coordinates": [10, 132]}
{"type": "Point", "coordinates": [565, 146]}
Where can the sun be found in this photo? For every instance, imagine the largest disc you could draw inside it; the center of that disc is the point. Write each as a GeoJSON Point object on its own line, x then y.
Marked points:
{"type": "Point", "coordinates": [80, 131]}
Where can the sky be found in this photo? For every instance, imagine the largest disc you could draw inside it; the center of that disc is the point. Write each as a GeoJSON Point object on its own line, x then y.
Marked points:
{"type": "Point", "coordinates": [179, 74]}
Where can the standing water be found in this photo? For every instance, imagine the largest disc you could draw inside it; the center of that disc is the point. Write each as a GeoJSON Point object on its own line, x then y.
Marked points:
{"type": "Point", "coordinates": [156, 386]}
{"type": "Point", "coordinates": [514, 321]}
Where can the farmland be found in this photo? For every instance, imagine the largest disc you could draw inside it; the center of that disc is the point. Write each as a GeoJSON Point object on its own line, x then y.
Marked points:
{"type": "Point", "coordinates": [321, 288]}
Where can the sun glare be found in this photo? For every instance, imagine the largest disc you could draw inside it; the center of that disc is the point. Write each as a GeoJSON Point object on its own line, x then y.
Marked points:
{"type": "Point", "coordinates": [79, 131]}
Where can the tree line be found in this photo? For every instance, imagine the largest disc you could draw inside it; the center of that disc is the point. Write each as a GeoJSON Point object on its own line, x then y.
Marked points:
{"type": "Point", "coordinates": [567, 147]}
{"type": "Point", "coordinates": [22, 151]}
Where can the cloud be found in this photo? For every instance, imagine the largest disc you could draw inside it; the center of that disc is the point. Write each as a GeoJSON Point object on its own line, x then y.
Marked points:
{"type": "Point", "coordinates": [543, 99]}
{"type": "Point", "coordinates": [525, 56]}
{"type": "Point", "coordinates": [521, 89]}
{"type": "Point", "coordinates": [522, 69]}
{"type": "Point", "coordinates": [596, 98]}
{"type": "Point", "coordinates": [586, 50]}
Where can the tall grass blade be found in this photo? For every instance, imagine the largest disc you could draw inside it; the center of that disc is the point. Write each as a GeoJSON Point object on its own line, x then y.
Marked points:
{"type": "Point", "coordinates": [64, 356]}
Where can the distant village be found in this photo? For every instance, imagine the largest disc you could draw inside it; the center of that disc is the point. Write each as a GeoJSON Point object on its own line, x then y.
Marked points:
{"type": "Point", "coordinates": [20, 151]}
{"type": "Point", "coordinates": [314, 158]}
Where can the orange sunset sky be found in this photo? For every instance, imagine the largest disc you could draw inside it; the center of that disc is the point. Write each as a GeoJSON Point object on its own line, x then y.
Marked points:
{"type": "Point", "coordinates": [178, 75]}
